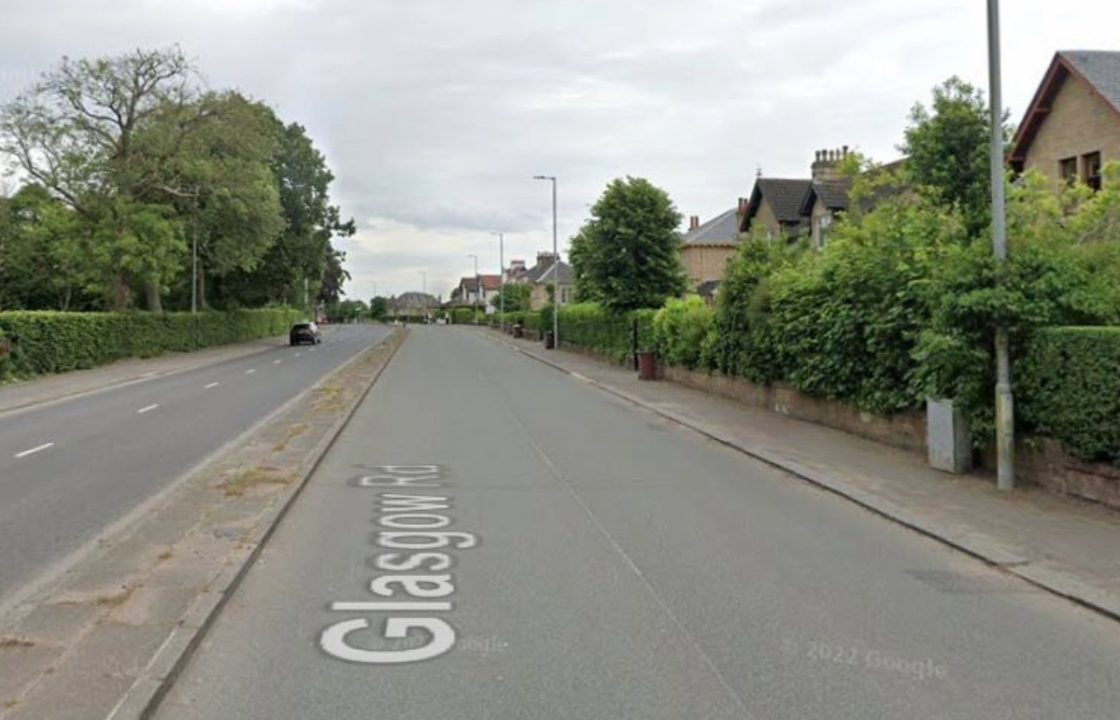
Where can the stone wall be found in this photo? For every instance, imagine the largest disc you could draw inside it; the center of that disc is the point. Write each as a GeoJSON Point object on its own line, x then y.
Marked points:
{"type": "Point", "coordinates": [905, 430]}
{"type": "Point", "coordinates": [1043, 461]}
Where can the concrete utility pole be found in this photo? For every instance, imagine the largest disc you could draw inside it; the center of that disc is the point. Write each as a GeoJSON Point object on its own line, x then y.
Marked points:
{"type": "Point", "coordinates": [502, 275]}
{"type": "Point", "coordinates": [477, 287]}
{"type": "Point", "coordinates": [194, 269]}
{"type": "Point", "coordinates": [1005, 408]}
{"type": "Point", "coordinates": [556, 268]}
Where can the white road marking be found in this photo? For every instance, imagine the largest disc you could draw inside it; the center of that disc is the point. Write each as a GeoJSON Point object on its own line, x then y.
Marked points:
{"type": "Point", "coordinates": [213, 384]}
{"type": "Point", "coordinates": [146, 408]}
{"type": "Point", "coordinates": [250, 371]}
{"type": "Point", "coordinates": [34, 450]}
{"type": "Point", "coordinates": [277, 362]}
{"type": "Point", "coordinates": [298, 354]}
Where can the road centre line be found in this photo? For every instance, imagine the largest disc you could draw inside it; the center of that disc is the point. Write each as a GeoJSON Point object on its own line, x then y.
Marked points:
{"type": "Point", "coordinates": [277, 362]}
{"type": "Point", "coordinates": [147, 408]}
{"type": "Point", "coordinates": [250, 371]}
{"type": "Point", "coordinates": [211, 385]}
{"type": "Point", "coordinates": [34, 450]}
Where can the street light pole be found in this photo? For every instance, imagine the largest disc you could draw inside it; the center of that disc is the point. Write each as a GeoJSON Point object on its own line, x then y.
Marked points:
{"type": "Point", "coordinates": [477, 287]}
{"type": "Point", "coordinates": [194, 269]}
{"type": "Point", "coordinates": [1005, 408]}
{"type": "Point", "coordinates": [502, 276]}
{"type": "Point", "coordinates": [556, 268]}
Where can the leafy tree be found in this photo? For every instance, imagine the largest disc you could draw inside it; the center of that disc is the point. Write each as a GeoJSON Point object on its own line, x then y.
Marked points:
{"type": "Point", "coordinates": [74, 134]}
{"type": "Point", "coordinates": [334, 275]}
{"type": "Point", "coordinates": [626, 256]}
{"type": "Point", "coordinates": [516, 297]}
{"type": "Point", "coordinates": [379, 308]}
{"type": "Point", "coordinates": [947, 147]}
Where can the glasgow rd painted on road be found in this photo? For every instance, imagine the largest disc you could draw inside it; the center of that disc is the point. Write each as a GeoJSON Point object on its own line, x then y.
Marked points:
{"type": "Point", "coordinates": [412, 529]}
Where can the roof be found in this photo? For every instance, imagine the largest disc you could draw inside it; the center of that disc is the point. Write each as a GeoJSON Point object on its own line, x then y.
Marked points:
{"type": "Point", "coordinates": [833, 193]}
{"type": "Point", "coordinates": [489, 282]}
{"type": "Point", "coordinates": [563, 269]}
{"type": "Point", "coordinates": [1099, 68]}
{"type": "Point", "coordinates": [720, 230]}
{"type": "Point", "coordinates": [785, 196]}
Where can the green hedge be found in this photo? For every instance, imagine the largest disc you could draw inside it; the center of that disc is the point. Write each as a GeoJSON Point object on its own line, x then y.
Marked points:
{"type": "Point", "coordinates": [1068, 388]}
{"type": "Point", "coordinates": [589, 325]}
{"type": "Point", "coordinates": [681, 330]}
{"type": "Point", "coordinates": [467, 316]}
{"type": "Point", "coordinates": [52, 342]}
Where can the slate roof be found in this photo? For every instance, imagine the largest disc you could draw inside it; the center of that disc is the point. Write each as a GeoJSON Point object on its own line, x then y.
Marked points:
{"type": "Point", "coordinates": [833, 193]}
{"type": "Point", "coordinates": [563, 269]}
{"type": "Point", "coordinates": [786, 198]}
{"type": "Point", "coordinates": [1099, 68]}
{"type": "Point", "coordinates": [720, 230]}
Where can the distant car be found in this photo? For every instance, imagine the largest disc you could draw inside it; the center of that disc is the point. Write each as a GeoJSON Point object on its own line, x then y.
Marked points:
{"type": "Point", "coordinates": [305, 333]}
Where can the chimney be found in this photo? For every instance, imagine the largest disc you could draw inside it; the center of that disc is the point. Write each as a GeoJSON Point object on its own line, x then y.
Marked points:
{"type": "Point", "coordinates": [693, 222]}
{"type": "Point", "coordinates": [744, 208]}
{"type": "Point", "coordinates": [826, 165]}
{"type": "Point", "coordinates": [545, 259]}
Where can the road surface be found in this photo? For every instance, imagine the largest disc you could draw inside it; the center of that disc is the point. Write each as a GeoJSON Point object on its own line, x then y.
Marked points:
{"type": "Point", "coordinates": [572, 556]}
{"type": "Point", "coordinates": [70, 469]}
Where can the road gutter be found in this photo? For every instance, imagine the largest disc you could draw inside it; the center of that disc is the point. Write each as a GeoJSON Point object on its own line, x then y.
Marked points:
{"type": "Point", "coordinates": [1054, 580]}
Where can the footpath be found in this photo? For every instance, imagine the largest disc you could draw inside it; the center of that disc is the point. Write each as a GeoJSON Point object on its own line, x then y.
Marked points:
{"type": "Point", "coordinates": [1063, 545]}
{"type": "Point", "coordinates": [51, 388]}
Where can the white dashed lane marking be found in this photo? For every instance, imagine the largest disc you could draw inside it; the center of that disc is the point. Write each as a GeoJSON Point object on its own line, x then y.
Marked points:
{"type": "Point", "coordinates": [34, 450]}
{"type": "Point", "coordinates": [250, 371]}
{"type": "Point", "coordinates": [211, 385]}
{"type": "Point", "coordinates": [146, 409]}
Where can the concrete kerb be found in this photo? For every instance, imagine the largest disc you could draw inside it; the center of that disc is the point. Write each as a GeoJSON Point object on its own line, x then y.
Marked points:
{"type": "Point", "coordinates": [1052, 580]}
{"type": "Point", "coordinates": [149, 689]}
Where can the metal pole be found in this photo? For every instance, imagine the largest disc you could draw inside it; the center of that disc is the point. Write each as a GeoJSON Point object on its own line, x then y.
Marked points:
{"type": "Point", "coordinates": [477, 287]}
{"type": "Point", "coordinates": [194, 269]}
{"type": "Point", "coordinates": [1005, 408]}
{"type": "Point", "coordinates": [555, 276]}
{"type": "Point", "coordinates": [502, 275]}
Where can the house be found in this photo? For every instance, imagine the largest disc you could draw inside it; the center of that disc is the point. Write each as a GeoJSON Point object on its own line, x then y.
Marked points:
{"type": "Point", "coordinates": [794, 208]}
{"type": "Point", "coordinates": [545, 273]}
{"type": "Point", "coordinates": [414, 304]}
{"type": "Point", "coordinates": [705, 249]}
{"type": "Point", "coordinates": [1072, 126]}
{"type": "Point", "coordinates": [468, 291]}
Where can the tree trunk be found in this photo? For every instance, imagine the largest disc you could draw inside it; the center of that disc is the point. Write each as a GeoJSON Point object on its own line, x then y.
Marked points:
{"type": "Point", "coordinates": [122, 293]}
{"type": "Point", "coordinates": [152, 294]}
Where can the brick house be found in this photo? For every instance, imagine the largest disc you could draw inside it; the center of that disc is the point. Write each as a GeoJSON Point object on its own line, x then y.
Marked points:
{"type": "Point", "coordinates": [706, 248]}
{"type": "Point", "coordinates": [1072, 126]}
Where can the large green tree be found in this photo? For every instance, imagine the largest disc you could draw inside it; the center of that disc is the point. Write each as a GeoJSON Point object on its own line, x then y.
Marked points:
{"type": "Point", "coordinates": [948, 149]}
{"type": "Point", "coordinates": [627, 255]}
{"type": "Point", "coordinates": [74, 133]}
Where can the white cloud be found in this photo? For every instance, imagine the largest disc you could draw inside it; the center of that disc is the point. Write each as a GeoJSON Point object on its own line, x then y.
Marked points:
{"type": "Point", "coordinates": [435, 114]}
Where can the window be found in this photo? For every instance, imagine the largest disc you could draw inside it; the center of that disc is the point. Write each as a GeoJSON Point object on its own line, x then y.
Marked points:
{"type": "Point", "coordinates": [1067, 170]}
{"type": "Point", "coordinates": [823, 224]}
{"type": "Point", "coordinates": [1091, 170]}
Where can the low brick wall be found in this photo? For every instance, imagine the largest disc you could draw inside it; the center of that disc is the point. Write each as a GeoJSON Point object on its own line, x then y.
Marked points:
{"type": "Point", "coordinates": [1043, 461]}
{"type": "Point", "coordinates": [904, 430]}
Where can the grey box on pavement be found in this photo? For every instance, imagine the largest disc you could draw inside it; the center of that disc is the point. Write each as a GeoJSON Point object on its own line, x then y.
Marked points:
{"type": "Point", "coordinates": [948, 437]}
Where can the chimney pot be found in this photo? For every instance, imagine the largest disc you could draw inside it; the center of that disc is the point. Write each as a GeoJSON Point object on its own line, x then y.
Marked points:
{"type": "Point", "coordinates": [845, 151]}
{"type": "Point", "coordinates": [693, 222]}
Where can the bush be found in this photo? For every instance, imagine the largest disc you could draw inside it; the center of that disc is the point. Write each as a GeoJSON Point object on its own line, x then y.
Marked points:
{"type": "Point", "coordinates": [1068, 387]}
{"type": "Point", "coordinates": [680, 330]}
{"type": "Point", "coordinates": [52, 342]}
{"type": "Point", "coordinates": [465, 316]}
{"type": "Point", "coordinates": [531, 321]}
{"type": "Point", "coordinates": [589, 325]}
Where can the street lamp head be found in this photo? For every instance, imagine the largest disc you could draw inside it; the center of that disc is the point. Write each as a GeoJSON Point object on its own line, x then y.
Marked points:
{"type": "Point", "coordinates": [544, 177]}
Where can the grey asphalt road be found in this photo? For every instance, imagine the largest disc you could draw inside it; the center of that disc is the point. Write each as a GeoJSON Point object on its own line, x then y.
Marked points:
{"type": "Point", "coordinates": [110, 451]}
{"type": "Point", "coordinates": [613, 566]}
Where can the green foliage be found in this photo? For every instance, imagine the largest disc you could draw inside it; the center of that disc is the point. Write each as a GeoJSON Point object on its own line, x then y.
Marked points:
{"type": "Point", "coordinates": [379, 308]}
{"type": "Point", "coordinates": [680, 330]}
{"type": "Point", "coordinates": [948, 150]}
{"type": "Point", "coordinates": [347, 311]}
{"type": "Point", "coordinates": [1069, 388]}
{"type": "Point", "coordinates": [516, 297]}
{"type": "Point", "coordinates": [468, 316]}
{"type": "Point", "coordinates": [532, 321]}
{"type": "Point", "coordinates": [612, 335]}
{"type": "Point", "coordinates": [50, 342]}
{"type": "Point", "coordinates": [626, 256]}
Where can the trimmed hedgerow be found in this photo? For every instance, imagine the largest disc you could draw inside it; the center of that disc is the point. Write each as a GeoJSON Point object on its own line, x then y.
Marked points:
{"type": "Point", "coordinates": [52, 342]}
{"type": "Point", "coordinates": [1068, 387]}
{"type": "Point", "coordinates": [613, 335]}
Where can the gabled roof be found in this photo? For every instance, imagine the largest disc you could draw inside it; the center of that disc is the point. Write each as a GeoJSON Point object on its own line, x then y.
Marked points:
{"type": "Point", "coordinates": [1099, 68]}
{"type": "Point", "coordinates": [721, 230]}
{"type": "Point", "coordinates": [833, 193]}
{"type": "Point", "coordinates": [563, 269]}
{"type": "Point", "coordinates": [489, 282]}
{"type": "Point", "coordinates": [785, 196]}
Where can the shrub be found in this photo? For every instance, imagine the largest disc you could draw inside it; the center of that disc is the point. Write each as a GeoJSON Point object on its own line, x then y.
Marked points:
{"type": "Point", "coordinates": [613, 335]}
{"type": "Point", "coordinates": [463, 316]}
{"type": "Point", "coordinates": [1068, 387]}
{"type": "Point", "coordinates": [680, 330]}
{"type": "Point", "coordinates": [531, 320]}
{"type": "Point", "coordinates": [51, 342]}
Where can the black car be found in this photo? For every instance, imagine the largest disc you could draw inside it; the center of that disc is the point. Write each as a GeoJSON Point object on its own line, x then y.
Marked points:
{"type": "Point", "coordinates": [305, 333]}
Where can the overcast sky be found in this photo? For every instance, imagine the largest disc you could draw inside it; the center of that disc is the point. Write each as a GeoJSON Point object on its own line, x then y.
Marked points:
{"type": "Point", "coordinates": [435, 114]}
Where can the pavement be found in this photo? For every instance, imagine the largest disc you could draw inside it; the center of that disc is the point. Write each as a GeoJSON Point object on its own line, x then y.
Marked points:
{"type": "Point", "coordinates": [490, 538]}
{"type": "Point", "coordinates": [1063, 544]}
{"type": "Point", "coordinates": [76, 465]}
